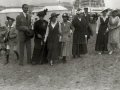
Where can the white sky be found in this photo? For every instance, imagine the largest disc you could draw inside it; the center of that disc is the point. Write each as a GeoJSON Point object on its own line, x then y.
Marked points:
{"type": "Point", "coordinates": [109, 3]}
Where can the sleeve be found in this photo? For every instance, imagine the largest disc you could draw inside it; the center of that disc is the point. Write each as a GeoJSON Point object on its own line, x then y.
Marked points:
{"type": "Point", "coordinates": [60, 31]}
{"type": "Point", "coordinates": [35, 29]}
{"type": "Point", "coordinates": [118, 21]}
{"type": "Point", "coordinates": [71, 28]}
{"type": "Point", "coordinates": [98, 25]}
{"type": "Point", "coordinates": [47, 32]}
{"type": "Point", "coordinates": [18, 24]}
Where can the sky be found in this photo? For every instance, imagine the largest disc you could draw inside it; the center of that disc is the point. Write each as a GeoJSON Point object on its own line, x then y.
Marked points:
{"type": "Point", "coordinates": [109, 3]}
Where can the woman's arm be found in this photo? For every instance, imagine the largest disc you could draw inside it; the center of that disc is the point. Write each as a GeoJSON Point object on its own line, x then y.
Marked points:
{"type": "Point", "coordinates": [98, 25]}
{"type": "Point", "coordinates": [46, 35]}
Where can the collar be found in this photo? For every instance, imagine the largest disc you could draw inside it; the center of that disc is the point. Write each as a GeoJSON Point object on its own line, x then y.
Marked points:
{"type": "Point", "coordinates": [11, 26]}
{"type": "Point", "coordinates": [104, 17]}
{"type": "Point", "coordinates": [79, 18]}
{"type": "Point", "coordinates": [24, 14]}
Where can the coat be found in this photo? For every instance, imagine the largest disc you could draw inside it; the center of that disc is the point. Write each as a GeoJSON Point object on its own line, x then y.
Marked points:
{"type": "Point", "coordinates": [89, 29]}
{"type": "Point", "coordinates": [21, 22]}
{"type": "Point", "coordinates": [40, 28]}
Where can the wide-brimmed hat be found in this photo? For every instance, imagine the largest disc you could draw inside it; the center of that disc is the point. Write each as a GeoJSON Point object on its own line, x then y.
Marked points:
{"type": "Point", "coordinates": [42, 13]}
{"type": "Point", "coordinates": [29, 33]}
{"type": "Point", "coordinates": [54, 15]}
{"type": "Point", "coordinates": [105, 10]}
{"type": "Point", "coordinates": [9, 18]}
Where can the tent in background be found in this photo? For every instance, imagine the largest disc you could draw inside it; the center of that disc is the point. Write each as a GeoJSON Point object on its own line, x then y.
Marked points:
{"type": "Point", "coordinates": [57, 9]}
{"type": "Point", "coordinates": [12, 12]}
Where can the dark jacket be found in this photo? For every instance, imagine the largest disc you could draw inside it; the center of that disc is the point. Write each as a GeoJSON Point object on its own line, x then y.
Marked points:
{"type": "Point", "coordinates": [40, 27]}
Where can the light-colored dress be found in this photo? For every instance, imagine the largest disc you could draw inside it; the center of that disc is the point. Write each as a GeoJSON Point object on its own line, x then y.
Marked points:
{"type": "Point", "coordinates": [66, 38]}
{"type": "Point", "coordinates": [114, 34]}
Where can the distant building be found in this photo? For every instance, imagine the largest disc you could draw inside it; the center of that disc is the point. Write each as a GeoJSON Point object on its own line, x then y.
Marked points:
{"type": "Point", "coordinates": [89, 3]}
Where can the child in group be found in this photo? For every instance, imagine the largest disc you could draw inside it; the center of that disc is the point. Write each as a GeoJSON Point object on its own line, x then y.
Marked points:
{"type": "Point", "coordinates": [9, 39]}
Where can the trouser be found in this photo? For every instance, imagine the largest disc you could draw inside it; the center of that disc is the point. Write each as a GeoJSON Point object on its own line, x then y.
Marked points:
{"type": "Point", "coordinates": [28, 50]}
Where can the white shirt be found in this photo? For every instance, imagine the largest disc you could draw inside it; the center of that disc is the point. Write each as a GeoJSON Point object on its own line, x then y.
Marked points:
{"type": "Point", "coordinates": [79, 18]}
{"type": "Point", "coordinates": [98, 23]}
{"type": "Point", "coordinates": [24, 14]}
{"type": "Point", "coordinates": [53, 24]}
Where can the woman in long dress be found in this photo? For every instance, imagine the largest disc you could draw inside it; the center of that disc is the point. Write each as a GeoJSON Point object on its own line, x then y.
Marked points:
{"type": "Point", "coordinates": [114, 37]}
{"type": "Point", "coordinates": [40, 49]}
{"type": "Point", "coordinates": [79, 35]}
{"type": "Point", "coordinates": [52, 36]}
{"type": "Point", "coordinates": [66, 27]}
{"type": "Point", "coordinates": [102, 34]}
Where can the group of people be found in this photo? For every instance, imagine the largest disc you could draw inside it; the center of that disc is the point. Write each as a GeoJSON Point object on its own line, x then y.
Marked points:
{"type": "Point", "coordinates": [53, 38]}
{"type": "Point", "coordinates": [108, 34]}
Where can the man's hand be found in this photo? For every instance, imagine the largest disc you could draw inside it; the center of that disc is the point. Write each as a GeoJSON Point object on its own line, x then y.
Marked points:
{"type": "Point", "coordinates": [26, 28]}
{"type": "Point", "coordinates": [85, 36]}
{"type": "Point", "coordinates": [39, 36]}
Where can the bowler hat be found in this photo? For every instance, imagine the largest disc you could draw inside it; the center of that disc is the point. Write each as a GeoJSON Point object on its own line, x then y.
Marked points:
{"type": "Point", "coordinates": [29, 33]}
{"type": "Point", "coordinates": [54, 15]}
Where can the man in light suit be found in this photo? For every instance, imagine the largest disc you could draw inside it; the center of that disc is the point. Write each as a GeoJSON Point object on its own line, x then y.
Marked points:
{"type": "Point", "coordinates": [23, 24]}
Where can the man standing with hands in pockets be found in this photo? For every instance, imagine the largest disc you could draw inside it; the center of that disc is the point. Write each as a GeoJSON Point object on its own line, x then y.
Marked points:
{"type": "Point", "coordinates": [23, 25]}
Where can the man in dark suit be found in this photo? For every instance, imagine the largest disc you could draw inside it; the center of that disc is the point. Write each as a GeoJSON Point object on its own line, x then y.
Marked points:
{"type": "Point", "coordinates": [23, 24]}
{"type": "Point", "coordinates": [88, 26]}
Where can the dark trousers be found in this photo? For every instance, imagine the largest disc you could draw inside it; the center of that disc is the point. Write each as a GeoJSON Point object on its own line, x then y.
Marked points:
{"type": "Point", "coordinates": [22, 45]}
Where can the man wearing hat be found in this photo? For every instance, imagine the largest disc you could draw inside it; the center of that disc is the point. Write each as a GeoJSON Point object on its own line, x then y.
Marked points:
{"type": "Point", "coordinates": [88, 26]}
{"type": "Point", "coordinates": [40, 49]}
{"type": "Point", "coordinates": [79, 35]}
{"type": "Point", "coordinates": [23, 25]}
{"type": "Point", "coordinates": [10, 39]}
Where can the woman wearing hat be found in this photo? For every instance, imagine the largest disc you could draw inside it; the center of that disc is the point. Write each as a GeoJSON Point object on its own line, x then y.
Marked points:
{"type": "Point", "coordinates": [79, 35]}
{"type": "Point", "coordinates": [40, 50]}
{"type": "Point", "coordinates": [114, 37]}
{"type": "Point", "coordinates": [52, 37]}
{"type": "Point", "coordinates": [66, 26]}
{"type": "Point", "coordinates": [102, 34]}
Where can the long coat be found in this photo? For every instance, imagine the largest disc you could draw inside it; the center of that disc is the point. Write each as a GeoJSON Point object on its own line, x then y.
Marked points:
{"type": "Point", "coordinates": [79, 40]}
{"type": "Point", "coordinates": [40, 49]}
{"type": "Point", "coordinates": [40, 27]}
{"type": "Point", "coordinates": [21, 21]}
